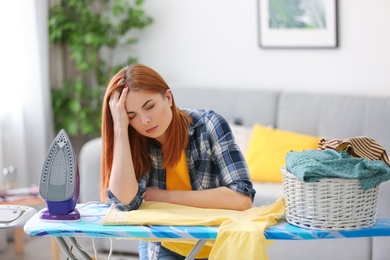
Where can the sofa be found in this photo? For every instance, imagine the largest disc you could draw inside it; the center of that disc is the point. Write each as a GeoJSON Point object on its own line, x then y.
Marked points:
{"type": "Point", "coordinates": [338, 116]}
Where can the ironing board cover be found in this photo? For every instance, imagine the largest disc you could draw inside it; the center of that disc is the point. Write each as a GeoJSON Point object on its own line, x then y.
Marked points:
{"type": "Point", "coordinates": [91, 225]}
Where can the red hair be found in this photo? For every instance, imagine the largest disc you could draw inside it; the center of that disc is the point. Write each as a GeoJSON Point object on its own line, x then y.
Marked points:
{"type": "Point", "coordinates": [140, 77]}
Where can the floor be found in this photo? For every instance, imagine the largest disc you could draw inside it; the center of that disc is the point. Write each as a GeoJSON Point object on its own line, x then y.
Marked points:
{"type": "Point", "coordinates": [38, 248]}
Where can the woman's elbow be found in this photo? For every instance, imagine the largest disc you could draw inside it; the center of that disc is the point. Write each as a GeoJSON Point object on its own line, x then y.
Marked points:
{"type": "Point", "coordinates": [244, 203]}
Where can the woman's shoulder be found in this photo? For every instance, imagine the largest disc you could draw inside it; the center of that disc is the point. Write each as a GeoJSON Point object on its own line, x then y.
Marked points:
{"type": "Point", "coordinates": [199, 114]}
{"type": "Point", "coordinates": [207, 119]}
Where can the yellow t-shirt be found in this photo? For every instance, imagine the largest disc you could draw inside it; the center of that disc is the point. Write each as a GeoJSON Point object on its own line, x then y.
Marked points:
{"type": "Point", "coordinates": [178, 178]}
{"type": "Point", "coordinates": [240, 233]}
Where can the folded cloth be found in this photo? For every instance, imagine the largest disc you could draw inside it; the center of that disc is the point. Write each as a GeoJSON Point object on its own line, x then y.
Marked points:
{"type": "Point", "coordinates": [312, 165]}
{"type": "Point", "coordinates": [240, 233]}
{"type": "Point", "coordinates": [360, 146]}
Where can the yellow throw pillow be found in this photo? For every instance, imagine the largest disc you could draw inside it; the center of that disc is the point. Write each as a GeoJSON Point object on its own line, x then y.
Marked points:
{"type": "Point", "coordinates": [267, 151]}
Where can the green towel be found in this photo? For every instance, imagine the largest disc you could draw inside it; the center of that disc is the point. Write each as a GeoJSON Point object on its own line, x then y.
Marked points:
{"type": "Point", "coordinates": [312, 165]}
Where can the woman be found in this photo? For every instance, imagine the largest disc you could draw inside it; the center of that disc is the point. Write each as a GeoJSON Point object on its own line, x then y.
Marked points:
{"type": "Point", "coordinates": [154, 151]}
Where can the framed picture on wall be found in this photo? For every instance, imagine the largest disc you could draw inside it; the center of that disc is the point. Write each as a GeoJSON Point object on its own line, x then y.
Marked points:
{"type": "Point", "coordinates": [297, 23]}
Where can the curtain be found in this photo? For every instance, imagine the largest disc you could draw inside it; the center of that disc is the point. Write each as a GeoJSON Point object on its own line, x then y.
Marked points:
{"type": "Point", "coordinates": [26, 127]}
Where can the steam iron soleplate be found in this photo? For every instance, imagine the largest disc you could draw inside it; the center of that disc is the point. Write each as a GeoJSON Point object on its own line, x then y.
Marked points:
{"type": "Point", "coordinates": [60, 183]}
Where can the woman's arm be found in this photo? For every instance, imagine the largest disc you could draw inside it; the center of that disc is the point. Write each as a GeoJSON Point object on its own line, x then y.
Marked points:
{"type": "Point", "coordinates": [217, 198]}
{"type": "Point", "coordinates": [123, 183]}
{"type": "Point", "coordinates": [228, 165]}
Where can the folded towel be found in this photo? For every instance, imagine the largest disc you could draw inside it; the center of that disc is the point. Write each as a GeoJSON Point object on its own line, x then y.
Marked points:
{"type": "Point", "coordinates": [311, 165]}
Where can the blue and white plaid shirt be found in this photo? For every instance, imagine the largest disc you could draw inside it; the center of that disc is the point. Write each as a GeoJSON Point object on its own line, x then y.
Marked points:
{"type": "Point", "coordinates": [213, 158]}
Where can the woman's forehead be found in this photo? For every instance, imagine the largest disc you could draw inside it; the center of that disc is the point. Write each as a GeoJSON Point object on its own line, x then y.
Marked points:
{"type": "Point", "coordinates": [138, 93]}
{"type": "Point", "coordinates": [138, 98]}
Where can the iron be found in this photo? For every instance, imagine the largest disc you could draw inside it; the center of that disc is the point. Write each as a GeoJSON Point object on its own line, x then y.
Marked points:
{"type": "Point", "coordinates": [60, 181]}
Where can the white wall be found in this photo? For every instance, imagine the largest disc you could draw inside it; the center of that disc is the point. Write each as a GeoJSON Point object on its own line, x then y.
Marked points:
{"type": "Point", "coordinates": [215, 43]}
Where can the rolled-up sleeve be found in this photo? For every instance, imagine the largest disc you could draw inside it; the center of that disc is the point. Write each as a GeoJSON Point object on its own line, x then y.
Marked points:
{"type": "Point", "coordinates": [134, 204]}
{"type": "Point", "coordinates": [243, 187]}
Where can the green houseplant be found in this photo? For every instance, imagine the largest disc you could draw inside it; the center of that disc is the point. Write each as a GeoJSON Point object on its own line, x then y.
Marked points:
{"type": "Point", "coordinates": [91, 31]}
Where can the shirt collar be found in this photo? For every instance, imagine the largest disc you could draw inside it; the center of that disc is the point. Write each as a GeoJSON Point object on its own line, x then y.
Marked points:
{"type": "Point", "coordinates": [197, 119]}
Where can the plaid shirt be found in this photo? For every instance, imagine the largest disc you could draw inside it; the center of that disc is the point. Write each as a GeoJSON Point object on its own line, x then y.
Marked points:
{"type": "Point", "coordinates": [213, 159]}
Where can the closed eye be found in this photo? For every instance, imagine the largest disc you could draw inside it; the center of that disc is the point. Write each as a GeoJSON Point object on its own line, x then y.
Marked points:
{"type": "Point", "coordinates": [131, 115]}
{"type": "Point", "coordinates": [149, 107]}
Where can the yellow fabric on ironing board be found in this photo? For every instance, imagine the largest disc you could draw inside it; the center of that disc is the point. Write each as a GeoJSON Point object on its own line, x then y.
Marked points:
{"type": "Point", "coordinates": [240, 234]}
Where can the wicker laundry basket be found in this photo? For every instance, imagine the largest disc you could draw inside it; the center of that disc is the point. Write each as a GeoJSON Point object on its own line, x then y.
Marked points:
{"type": "Point", "coordinates": [329, 204]}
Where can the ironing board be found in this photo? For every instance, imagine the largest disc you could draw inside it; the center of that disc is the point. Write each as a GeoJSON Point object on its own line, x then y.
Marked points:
{"type": "Point", "coordinates": [90, 225]}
